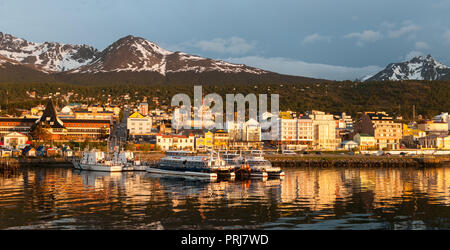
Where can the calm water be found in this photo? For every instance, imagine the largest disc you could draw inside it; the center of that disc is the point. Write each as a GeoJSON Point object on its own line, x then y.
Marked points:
{"type": "Point", "coordinates": [390, 198]}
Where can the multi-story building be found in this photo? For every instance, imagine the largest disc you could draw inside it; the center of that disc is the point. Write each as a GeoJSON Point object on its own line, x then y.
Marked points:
{"type": "Point", "coordinates": [138, 124]}
{"type": "Point", "coordinates": [94, 115]}
{"type": "Point", "coordinates": [434, 127]}
{"type": "Point", "coordinates": [143, 108]}
{"type": "Point", "coordinates": [293, 133]}
{"type": "Point", "coordinates": [15, 124]}
{"type": "Point", "coordinates": [324, 127]}
{"type": "Point", "coordinates": [443, 117]}
{"type": "Point", "coordinates": [58, 129]}
{"type": "Point", "coordinates": [386, 132]}
{"type": "Point", "coordinates": [435, 141]}
{"type": "Point", "coordinates": [175, 142]}
{"type": "Point", "coordinates": [206, 142]}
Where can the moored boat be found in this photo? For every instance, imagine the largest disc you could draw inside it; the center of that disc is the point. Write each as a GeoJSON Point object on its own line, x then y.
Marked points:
{"type": "Point", "coordinates": [186, 164]}
{"type": "Point", "coordinates": [97, 161]}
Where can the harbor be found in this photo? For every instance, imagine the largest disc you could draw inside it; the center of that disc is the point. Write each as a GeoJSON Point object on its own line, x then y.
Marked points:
{"type": "Point", "coordinates": [279, 161]}
{"type": "Point", "coordinates": [307, 198]}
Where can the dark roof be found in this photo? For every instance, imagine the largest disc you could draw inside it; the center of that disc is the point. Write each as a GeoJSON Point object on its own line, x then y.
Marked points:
{"type": "Point", "coordinates": [49, 116]}
{"type": "Point", "coordinates": [17, 119]}
{"type": "Point", "coordinates": [379, 116]}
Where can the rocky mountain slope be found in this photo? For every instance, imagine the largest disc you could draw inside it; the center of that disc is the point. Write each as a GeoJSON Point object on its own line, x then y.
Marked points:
{"type": "Point", "coordinates": [418, 68]}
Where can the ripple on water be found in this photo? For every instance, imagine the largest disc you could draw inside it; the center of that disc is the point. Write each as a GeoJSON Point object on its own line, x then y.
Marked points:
{"type": "Point", "coordinates": [306, 199]}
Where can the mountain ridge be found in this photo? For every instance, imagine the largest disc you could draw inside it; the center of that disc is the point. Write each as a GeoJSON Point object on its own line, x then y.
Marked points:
{"type": "Point", "coordinates": [417, 68]}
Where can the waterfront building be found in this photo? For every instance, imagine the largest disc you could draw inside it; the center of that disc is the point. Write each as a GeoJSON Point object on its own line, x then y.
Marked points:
{"type": "Point", "coordinates": [365, 141]}
{"type": "Point", "coordinates": [59, 129]}
{"type": "Point", "coordinates": [435, 141]}
{"type": "Point", "coordinates": [206, 142]}
{"type": "Point", "coordinates": [220, 140]}
{"type": "Point", "coordinates": [294, 133]}
{"type": "Point", "coordinates": [247, 131]}
{"type": "Point", "coordinates": [16, 124]}
{"type": "Point", "coordinates": [251, 131]}
{"type": "Point", "coordinates": [411, 136]}
{"type": "Point", "coordinates": [15, 140]}
{"type": "Point", "coordinates": [175, 142]}
{"type": "Point", "coordinates": [324, 127]}
{"type": "Point", "coordinates": [139, 124]}
{"type": "Point", "coordinates": [78, 129]}
{"type": "Point", "coordinates": [443, 117]}
{"type": "Point", "coordinates": [434, 127]}
{"type": "Point", "coordinates": [387, 133]}
{"type": "Point", "coordinates": [349, 145]}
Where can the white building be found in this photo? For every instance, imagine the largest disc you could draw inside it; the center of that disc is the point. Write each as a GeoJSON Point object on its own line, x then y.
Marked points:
{"type": "Point", "coordinates": [294, 133]}
{"type": "Point", "coordinates": [138, 124]}
{"type": "Point", "coordinates": [175, 142]}
{"type": "Point", "coordinates": [443, 117]}
{"type": "Point", "coordinates": [15, 140]}
{"type": "Point", "coordinates": [324, 126]}
{"type": "Point", "coordinates": [247, 131]}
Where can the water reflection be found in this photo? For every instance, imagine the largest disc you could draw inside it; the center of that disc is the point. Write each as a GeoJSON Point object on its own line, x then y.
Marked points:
{"type": "Point", "coordinates": [307, 198]}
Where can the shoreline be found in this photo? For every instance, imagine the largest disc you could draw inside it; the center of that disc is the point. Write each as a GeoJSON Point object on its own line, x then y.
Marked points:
{"type": "Point", "coordinates": [326, 160]}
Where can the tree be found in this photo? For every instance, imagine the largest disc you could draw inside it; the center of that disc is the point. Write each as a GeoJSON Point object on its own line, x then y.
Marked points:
{"type": "Point", "coordinates": [40, 133]}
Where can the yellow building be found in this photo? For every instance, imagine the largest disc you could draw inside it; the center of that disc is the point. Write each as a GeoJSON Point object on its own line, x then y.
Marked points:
{"type": "Point", "coordinates": [407, 131]}
{"type": "Point", "coordinates": [221, 139]}
{"type": "Point", "coordinates": [206, 142]}
{"type": "Point", "coordinates": [139, 124]}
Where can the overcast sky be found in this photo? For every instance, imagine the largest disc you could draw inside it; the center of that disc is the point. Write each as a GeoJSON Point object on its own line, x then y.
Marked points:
{"type": "Point", "coordinates": [332, 39]}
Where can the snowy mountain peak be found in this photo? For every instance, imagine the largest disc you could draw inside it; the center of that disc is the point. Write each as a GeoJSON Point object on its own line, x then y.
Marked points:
{"type": "Point", "coordinates": [418, 68]}
{"type": "Point", "coordinates": [135, 54]}
{"type": "Point", "coordinates": [47, 56]}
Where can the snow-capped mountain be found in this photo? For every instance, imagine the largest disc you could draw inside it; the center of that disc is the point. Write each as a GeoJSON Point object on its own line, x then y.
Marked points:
{"type": "Point", "coordinates": [48, 56]}
{"type": "Point", "coordinates": [418, 68]}
{"type": "Point", "coordinates": [135, 54]}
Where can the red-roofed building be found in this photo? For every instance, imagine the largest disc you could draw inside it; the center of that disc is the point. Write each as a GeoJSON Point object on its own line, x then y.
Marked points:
{"type": "Point", "coordinates": [173, 142]}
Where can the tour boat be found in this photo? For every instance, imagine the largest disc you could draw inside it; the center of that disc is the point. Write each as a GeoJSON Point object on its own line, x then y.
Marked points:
{"type": "Point", "coordinates": [97, 161]}
{"type": "Point", "coordinates": [259, 163]}
{"type": "Point", "coordinates": [259, 167]}
{"type": "Point", "coordinates": [244, 169]}
{"type": "Point", "coordinates": [186, 164]}
{"type": "Point", "coordinates": [130, 163]}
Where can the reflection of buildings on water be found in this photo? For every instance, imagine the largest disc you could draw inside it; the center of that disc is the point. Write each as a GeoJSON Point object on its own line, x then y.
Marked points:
{"type": "Point", "coordinates": [320, 188]}
{"type": "Point", "coordinates": [398, 184]}
{"type": "Point", "coordinates": [207, 194]}
{"type": "Point", "coordinates": [315, 188]}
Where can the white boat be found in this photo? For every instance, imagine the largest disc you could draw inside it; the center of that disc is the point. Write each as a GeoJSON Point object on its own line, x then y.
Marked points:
{"type": "Point", "coordinates": [258, 165]}
{"type": "Point", "coordinates": [186, 164]}
{"type": "Point", "coordinates": [96, 161]}
{"type": "Point", "coordinates": [130, 163]}
{"type": "Point", "coordinates": [259, 162]}
{"type": "Point", "coordinates": [243, 168]}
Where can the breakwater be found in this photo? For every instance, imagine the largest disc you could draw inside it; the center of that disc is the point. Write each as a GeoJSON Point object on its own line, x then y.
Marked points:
{"type": "Point", "coordinates": [358, 161]}
{"type": "Point", "coordinates": [340, 161]}
{"type": "Point", "coordinates": [11, 163]}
